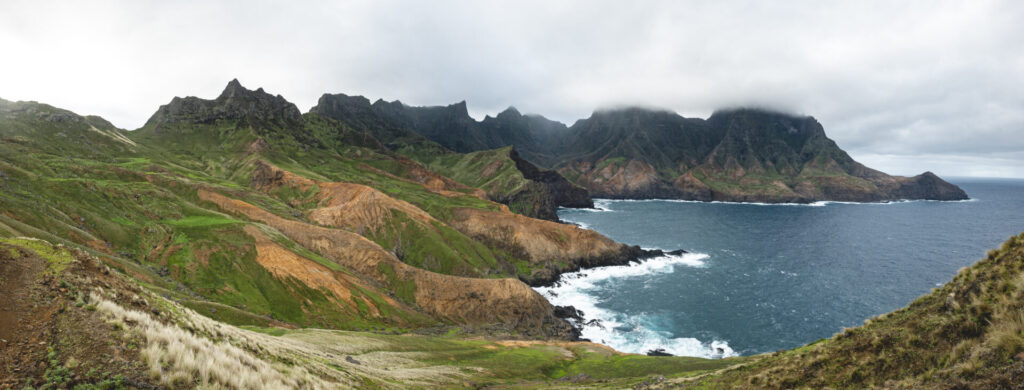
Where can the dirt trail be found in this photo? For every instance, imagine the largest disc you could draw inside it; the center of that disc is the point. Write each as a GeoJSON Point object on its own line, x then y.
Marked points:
{"type": "Point", "coordinates": [38, 314]}
{"type": "Point", "coordinates": [19, 271]}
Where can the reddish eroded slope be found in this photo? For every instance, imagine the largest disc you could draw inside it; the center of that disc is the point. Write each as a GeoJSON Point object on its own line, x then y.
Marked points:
{"type": "Point", "coordinates": [550, 247]}
{"type": "Point", "coordinates": [355, 207]}
{"type": "Point", "coordinates": [554, 247]}
{"type": "Point", "coordinates": [451, 298]}
{"type": "Point", "coordinates": [285, 264]}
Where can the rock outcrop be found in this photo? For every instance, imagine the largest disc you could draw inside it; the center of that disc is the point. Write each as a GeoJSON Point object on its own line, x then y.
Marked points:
{"type": "Point", "coordinates": [235, 102]}
{"type": "Point", "coordinates": [563, 192]}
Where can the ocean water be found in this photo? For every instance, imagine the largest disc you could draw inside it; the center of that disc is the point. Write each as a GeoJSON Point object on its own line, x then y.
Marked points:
{"type": "Point", "coordinates": [760, 278]}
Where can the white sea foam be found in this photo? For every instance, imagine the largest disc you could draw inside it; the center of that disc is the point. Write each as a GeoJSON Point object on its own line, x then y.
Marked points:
{"type": "Point", "coordinates": [582, 225]}
{"type": "Point", "coordinates": [600, 206]}
{"type": "Point", "coordinates": [606, 203]}
{"type": "Point", "coordinates": [630, 333]}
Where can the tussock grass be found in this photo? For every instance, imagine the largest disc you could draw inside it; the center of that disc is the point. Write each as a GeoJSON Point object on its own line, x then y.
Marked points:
{"type": "Point", "coordinates": [182, 359]}
{"type": "Point", "coordinates": [198, 352]}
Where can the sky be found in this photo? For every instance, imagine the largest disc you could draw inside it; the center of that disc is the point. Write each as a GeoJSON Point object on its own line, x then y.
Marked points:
{"type": "Point", "coordinates": [904, 87]}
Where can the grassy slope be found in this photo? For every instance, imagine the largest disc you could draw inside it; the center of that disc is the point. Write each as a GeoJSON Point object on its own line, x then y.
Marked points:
{"type": "Point", "coordinates": [968, 333]}
{"type": "Point", "coordinates": [438, 248]}
{"type": "Point", "coordinates": [133, 199]}
{"type": "Point", "coordinates": [137, 206]}
{"type": "Point", "coordinates": [180, 349]}
{"type": "Point", "coordinates": [494, 172]}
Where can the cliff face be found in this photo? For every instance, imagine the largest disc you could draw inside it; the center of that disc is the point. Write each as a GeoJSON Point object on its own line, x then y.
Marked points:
{"type": "Point", "coordinates": [504, 175]}
{"type": "Point", "coordinates": [744, 155]}
{"type": "Point", "coordinates": [737, 155]}
{"type": "Point", "coordinates": [509, 179]}
{"type": "Point", "coordinates": [564, 193]}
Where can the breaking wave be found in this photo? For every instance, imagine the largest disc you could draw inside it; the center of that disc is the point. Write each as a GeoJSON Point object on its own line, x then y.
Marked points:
{"type": "Point", "coordinates": [629, 332]}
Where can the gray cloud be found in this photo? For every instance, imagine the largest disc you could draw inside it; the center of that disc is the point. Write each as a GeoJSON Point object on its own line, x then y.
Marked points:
{"type": "Point", "coordinates": [903, 86]}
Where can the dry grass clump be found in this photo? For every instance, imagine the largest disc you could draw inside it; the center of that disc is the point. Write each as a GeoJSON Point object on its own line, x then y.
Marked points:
{"type": "Point", "coordinates": [182, 359]}
{"type": "Point", "coordinates": [198, 352]}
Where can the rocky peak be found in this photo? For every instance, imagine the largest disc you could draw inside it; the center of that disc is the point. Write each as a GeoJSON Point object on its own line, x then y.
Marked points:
{"type": "Point", "coordinates": [234, 103]}
{"type": "Point", "coordinates": [340, 105]}
{"type": "Point", "coordinates": [756, 120]}
{"type": "Point", "coordinates": [235, 88]}
{"type": "Point", "coordinates": [459, 109]}
{"type": "Point", "coordinates": [510, 112]}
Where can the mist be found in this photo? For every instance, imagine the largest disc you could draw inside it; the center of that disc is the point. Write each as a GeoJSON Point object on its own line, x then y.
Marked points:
{"type": "Point", "coordinates": [903, 87]}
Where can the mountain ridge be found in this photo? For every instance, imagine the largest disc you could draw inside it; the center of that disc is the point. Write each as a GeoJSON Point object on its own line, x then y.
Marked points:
{"type": "Point", "coordinates": [736, 154]}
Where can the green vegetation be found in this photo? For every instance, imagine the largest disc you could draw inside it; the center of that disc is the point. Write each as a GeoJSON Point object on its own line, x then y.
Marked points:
{"type": "Point", "coordinates": [132, 200]}
{"type": "Point", "coordinates": [496, 173]}
{"type": "Point", "coordinates": [533, 364]}
{"type": "Point", "coordinates": [142, 213]}
{"type": "Point", "coordinates": [201, 221]}
{"type": "Point", "coordinates": [403, 289]}
{"type": "Point", "coordinates": [57, 258]}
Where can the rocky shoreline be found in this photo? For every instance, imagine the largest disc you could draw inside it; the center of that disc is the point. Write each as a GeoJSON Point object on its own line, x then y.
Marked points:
{"type": "Point", "coordinates": [573, 316]}
{"type": "Point", "coordinates": [628, 254]}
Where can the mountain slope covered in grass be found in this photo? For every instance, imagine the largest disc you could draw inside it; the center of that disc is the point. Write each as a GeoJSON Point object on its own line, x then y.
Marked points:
{"type": "Point", "coordinates": [248, 210]}
{"type": "Point", "coordinates": [236, 242]}
{"type": "Point", "coordinates": [72, 321]}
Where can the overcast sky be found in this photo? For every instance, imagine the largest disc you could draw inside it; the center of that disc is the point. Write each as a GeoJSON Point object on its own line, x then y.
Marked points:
{"type": "Point", "coordinates": [903, 86]}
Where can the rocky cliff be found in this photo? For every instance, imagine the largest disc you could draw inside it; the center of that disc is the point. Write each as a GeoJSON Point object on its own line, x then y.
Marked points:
{"type": "Point", "coordinates": [529, 190]}
{"type": "Point", "coordinates": [743, 155]}
{"type": "Point", "coordinates": [235, 102]}
{"type": "Point", "coordinates": [738, 155]}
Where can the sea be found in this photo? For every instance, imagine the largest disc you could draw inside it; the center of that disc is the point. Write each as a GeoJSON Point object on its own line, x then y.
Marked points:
{"type": "Point", "coordinates": [763, 277]}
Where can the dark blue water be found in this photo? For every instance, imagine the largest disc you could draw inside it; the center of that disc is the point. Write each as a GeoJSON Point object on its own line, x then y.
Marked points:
{"type": "Point", "coordinates": [768, 277]}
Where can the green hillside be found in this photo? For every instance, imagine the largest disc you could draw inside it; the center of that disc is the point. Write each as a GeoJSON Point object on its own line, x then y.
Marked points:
{"type": "Point", "coordinates": [224, 204]}
{"type": "Point", "coordinates": [236, 242]}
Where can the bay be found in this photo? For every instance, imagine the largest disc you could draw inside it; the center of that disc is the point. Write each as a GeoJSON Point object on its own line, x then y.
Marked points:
{"type": "Point", "coordinates": [760, 278]}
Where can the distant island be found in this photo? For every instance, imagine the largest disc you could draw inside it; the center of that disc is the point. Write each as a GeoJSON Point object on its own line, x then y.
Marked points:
{"type": "Point", "coordinates": [736, 155]}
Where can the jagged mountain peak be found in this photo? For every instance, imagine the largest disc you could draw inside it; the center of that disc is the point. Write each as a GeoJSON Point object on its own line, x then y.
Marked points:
{"type": "Point", "coordinates": [335, 98]}
{"type": "Point", "coordinates": [236, 102]}
{"type": "Point", "coordinates": [339, 104]}
{"type": "Point", "coordinates": [234, 88]}
{"type": "Point", "coordinates": [511, 111]}
{"type": "Point", "coordinates": [459, 108]}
